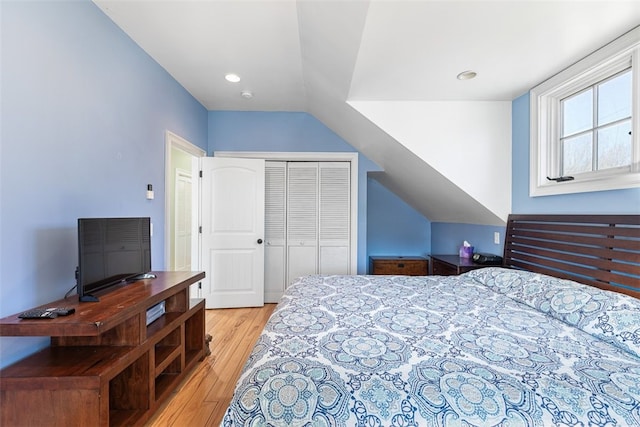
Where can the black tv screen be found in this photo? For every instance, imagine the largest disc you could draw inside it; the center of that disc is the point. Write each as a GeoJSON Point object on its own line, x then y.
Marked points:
{"type": "Point", "coordinates": [111, 251]}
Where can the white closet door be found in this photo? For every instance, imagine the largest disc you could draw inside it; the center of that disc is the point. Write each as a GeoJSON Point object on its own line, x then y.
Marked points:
{"type": "Point", "coordinates": [275, 230]}
{"type": "Point", "coordinates": [334, 218]}
{"type": "Point", "coordinates": [302, 219]}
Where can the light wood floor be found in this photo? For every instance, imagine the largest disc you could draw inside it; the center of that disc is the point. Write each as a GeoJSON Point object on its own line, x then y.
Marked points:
{"type": "Point", "coordinates": [203, 397]}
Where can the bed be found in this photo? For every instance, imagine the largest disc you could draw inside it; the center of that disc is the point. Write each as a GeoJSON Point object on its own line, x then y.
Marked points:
{"type": "Point", "coordinates": [552, 337]}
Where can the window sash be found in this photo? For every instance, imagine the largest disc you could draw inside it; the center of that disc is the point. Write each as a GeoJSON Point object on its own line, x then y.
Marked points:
{"type": "Point", "coordinates": [597, 123]}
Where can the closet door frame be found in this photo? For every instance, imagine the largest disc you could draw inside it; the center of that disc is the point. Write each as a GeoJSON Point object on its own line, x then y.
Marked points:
{"type": "Point", "coordinates": [317, 157]}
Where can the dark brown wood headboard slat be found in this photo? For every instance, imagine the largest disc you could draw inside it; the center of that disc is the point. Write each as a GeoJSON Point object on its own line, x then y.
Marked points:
{"type": "Point", "coordinates": [632, 219]}
{"type": "Point", "coordinates": [580, 228]}
{"type": "Point", "coordinates": [560, 250]}
{"type": "Point", "coordinates": [596, 240]}
{"type": "Point", "coordinates": [561, 275]}
{"type": "Point", "coordinates": [598, 250]}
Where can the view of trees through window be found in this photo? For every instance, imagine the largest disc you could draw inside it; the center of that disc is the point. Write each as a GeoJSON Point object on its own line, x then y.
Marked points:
{"type": "Point", "coordinates": [596, 126]}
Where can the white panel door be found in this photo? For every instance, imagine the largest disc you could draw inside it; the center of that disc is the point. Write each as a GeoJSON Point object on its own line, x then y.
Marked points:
{"type": "Point", "coordinates": [183, 216]}
{"type": "Point", "coordinates": [275, 229]}
{"type": "Point", "coordinates": [334, 224]}
{"type": "Point", "coordinates": [302, 219]}
{"type": "Point", "coordinates": [233, 232]}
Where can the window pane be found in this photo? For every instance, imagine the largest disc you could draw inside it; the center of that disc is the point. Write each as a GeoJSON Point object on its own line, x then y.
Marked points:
{"type": "Point", "coordinates": [614, 99]}
{"type": "Point", "coordinates": [577, 154]}
{"type": "Point", "coordinates": [614, 146]}
{"type": "Point", "coordinates": [577, 113]}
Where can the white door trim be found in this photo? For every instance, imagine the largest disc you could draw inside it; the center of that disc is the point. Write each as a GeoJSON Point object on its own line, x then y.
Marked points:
{"type": "Point", "coordinates": [175, 141]}
{"type": "Point", "coordinates": [317, 157]}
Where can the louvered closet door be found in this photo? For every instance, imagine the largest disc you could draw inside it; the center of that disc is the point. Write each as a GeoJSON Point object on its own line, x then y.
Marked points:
{"type": "Point", "coordinates": [334, 218]}
{"type": "Point", "coordinates": [302, 219]}
{"type": "Point", "coordinates": [275, 230]}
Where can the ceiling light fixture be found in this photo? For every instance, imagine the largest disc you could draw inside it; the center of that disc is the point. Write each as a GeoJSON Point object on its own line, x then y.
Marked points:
{"type": "Point", "coordinates": [467, 75]}
{"type": "Point", "coordinates": [233, 78]}
{"type": "Point", "coordinates": [246, 94]}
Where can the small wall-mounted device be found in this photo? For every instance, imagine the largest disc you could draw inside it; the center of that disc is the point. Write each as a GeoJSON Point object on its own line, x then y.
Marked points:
{"type": "Point", "coordinates": [149, 192]}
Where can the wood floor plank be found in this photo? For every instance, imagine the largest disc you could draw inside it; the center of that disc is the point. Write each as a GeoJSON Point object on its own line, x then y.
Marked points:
{"type": "Point", "coordinates": [203, 397]}
{"type": "Point", "coordinates": [223, 391]}
{"type": "Point", "coordinates": [244, 339]}
{"type": "Point", "coordinates": [187, 398]}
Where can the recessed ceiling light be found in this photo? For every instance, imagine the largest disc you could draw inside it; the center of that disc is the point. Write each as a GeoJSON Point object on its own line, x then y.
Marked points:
{"type": "Point", "coordinates": [467, 75]}
{"type": "Point", "coordinates": [233, 78]}
{"type": "Point", "coordinates": [246, 94]}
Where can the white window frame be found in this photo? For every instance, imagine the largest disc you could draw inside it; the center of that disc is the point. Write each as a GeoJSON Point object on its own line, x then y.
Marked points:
{"type": "Point", "coordinates": [545, 99]}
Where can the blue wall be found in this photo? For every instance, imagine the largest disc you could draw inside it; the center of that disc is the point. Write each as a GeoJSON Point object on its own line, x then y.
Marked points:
{"type": "Point", "coordinates": [448, 237]}
{"type": "Point", "coordinates": [84, 114]}
{"type": "Point", "coordinates": [394, 227]}
{"type": "Point", "coordinates": [289, 132]}
{"type": "Point", "coordinates": [599, 202]}
{"type": "Point", "coordinates": [273, 131]}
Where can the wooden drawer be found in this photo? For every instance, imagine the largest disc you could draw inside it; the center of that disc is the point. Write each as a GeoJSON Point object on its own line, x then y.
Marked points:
{"type": "Point", "coordinates": [442, 268]}
{"type": "Point", "coordinates": [406, 266]}
{"type": "Point", "coordinates": [449, 265]}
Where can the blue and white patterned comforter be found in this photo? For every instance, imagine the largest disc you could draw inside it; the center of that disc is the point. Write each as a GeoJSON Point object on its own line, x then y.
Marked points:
{"type": "Point", "coordinates": [490, 347]}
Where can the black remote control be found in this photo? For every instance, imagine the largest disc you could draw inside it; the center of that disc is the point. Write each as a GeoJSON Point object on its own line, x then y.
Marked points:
{"type": "Point", "coordinates": [38, 313]}
{"type": "Point", "coordinates": [47, 313]}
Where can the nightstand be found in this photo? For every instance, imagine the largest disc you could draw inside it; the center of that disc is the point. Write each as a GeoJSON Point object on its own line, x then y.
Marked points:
{"type": "Point", "coordinates": [449, 265]}
{"type": "Point", "coordinates": [399, 265]}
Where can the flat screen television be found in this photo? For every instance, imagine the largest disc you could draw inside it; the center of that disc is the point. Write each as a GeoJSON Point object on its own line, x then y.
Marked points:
{"type": "Point", "coordinates": [111, 251]}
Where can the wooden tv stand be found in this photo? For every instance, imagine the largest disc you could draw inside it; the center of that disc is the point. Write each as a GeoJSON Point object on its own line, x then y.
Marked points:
{"type": "Point", "coordinates": [105, 366]}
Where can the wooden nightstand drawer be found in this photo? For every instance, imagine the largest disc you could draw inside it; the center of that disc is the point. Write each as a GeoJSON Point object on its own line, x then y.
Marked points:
{"type": "Point", "coordinates": [440, 268]}
{"type": "Point", "coordinates": [406, 266]}
{"type": "Point", "coordinates": [449, 265]}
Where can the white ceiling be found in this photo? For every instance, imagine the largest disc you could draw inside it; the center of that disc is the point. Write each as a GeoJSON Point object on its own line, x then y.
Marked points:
{"type": "Point", "coordinates": [314, 55]}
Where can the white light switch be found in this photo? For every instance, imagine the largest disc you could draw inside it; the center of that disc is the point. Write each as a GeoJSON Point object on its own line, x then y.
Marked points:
{"type": "Point", "coordinates": [496, 237]}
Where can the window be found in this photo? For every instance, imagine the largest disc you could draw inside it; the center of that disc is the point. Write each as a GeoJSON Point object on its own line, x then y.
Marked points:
{"type": "Point", "coordinates": [596, 127]}
{"type": "Point", "coordinates": [585, 123]}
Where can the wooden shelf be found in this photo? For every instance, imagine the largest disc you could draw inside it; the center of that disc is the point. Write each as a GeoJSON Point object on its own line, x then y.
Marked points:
{"type": "Point", "coordinates": [114, 307]}
{"type": "Point", "coordinates": [120, 417]}
{"type": "Point", "coordinates": [120, 371]}
{"type": "Point", "coordinates": [167, 354]}
{"type": "Point", "coordinates": [165, 321]}
{"type": "Point", "coordinates": [165, 383]}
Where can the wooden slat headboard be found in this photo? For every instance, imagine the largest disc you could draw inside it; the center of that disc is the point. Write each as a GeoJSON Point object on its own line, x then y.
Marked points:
{"type": "Point", "coordinates": [598, 250]}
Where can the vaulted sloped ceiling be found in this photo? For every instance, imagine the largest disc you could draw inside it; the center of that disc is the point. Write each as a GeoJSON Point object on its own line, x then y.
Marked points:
{"type": "Point", "coordinates": [382, 75]}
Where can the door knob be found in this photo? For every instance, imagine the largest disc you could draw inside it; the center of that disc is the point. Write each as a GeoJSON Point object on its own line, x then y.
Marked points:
{"type": "Point", "coordinates": [259, 241]}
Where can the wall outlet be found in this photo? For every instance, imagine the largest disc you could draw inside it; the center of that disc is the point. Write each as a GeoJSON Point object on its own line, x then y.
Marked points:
{"type": "Point", "coordinates": [496, 237]}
